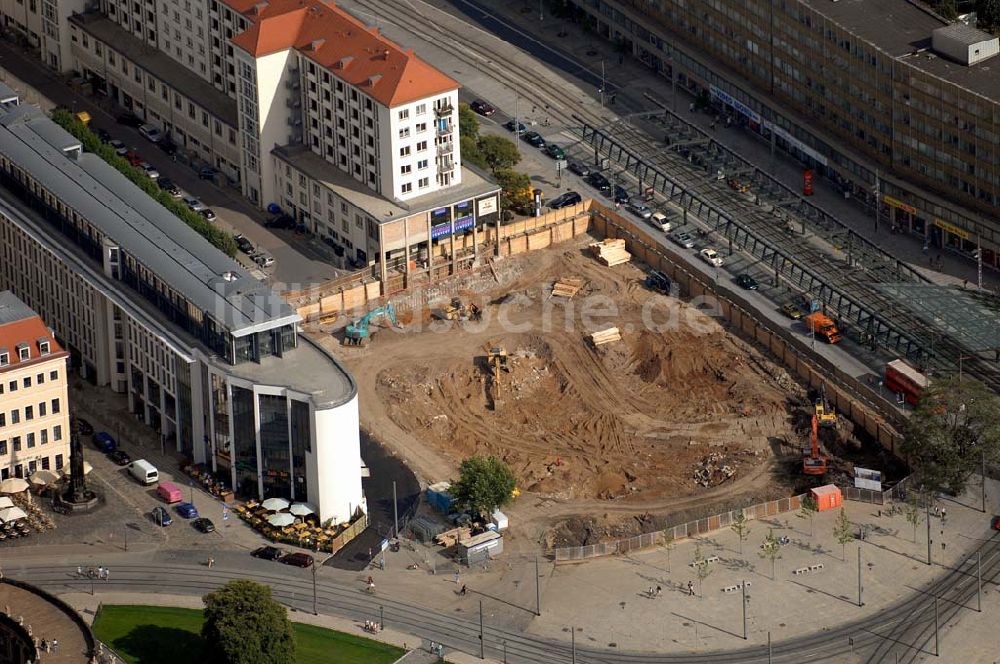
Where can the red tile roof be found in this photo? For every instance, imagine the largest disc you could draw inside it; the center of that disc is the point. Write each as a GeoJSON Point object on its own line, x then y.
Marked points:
{"type": "Point", "coordinates": [27, 331]}
{"type": "Point", "coordinates": [342, 44]}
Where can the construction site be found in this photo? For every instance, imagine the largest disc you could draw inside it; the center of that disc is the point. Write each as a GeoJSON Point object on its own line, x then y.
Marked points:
{"type": "Point", "coordinates": [609, 398]}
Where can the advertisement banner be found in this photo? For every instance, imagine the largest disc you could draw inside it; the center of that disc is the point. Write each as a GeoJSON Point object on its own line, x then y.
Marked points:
{"type": "Point", "coordinates": [865, 478]}
{"type": "Point", "coordinates": [486, 206]}
{"type": "Point", "coordinates": [892, 202]}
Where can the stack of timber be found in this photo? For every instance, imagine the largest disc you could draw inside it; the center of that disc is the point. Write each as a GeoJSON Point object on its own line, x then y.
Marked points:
{"type": "Point", "coordinates": [611, 252]}
{"type": "Point", "coordinates": [607, 336]}
{"type": "Point", "coordinates": [453, 536]}
{"type": "Point", "coordinates": [567, 287]}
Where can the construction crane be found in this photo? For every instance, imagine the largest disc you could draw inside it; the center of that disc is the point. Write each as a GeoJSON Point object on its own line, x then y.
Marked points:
{"type": "Point", "coordinates": [357, 333]}
{"type": "Point", "coordinates": [813, 463]}
{"type": "Point", "coordinates": [825, 415]}
{"type": "Point", "coordinates": [496, 358]}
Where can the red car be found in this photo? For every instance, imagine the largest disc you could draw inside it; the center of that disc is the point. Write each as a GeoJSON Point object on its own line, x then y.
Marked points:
{"type": "Point", "coordinates": [133, 157]}
{"type": "Point", "coordinates": [297, 559]}
{"type": "Point", "coordinates": [481, 107]}
{"type": "Point", "coordinates": [996, 523]}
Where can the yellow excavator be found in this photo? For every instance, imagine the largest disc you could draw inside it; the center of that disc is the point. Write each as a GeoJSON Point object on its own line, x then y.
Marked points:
{"type": "Point", "coordinates": [496, 358]}
{"type": "Point", "coordinates": [826, 416]}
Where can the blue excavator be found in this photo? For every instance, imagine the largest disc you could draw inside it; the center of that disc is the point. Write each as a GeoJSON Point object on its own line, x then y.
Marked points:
{"type": "Point", "coordinates": [358, 334]}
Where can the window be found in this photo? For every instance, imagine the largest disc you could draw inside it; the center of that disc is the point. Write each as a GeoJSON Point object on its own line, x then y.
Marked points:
{"type": "Point", "coordinates": [404, 114]}
{"type": "Point", "coordinates": [43, 347]}
{"type": "Point", "coordinates": [421, 146]}
{"type": "Point", "coordinates": [3, 420]}
{"type": "Point", "coordinates": [4, 358]}
{"type": "Point", "coordinates": [407, 187]}
{"type": "Point", "coordinates": [57, 436]}
{"type": "Point", "coordinates": [55, 406]}
{"type": "Point", "coordinates": [41, 409]}
{"type": "Point", "coordinates": [12, 386]}
{"type": "Point", "coordinates": [404, 151]}
{"type": "Point", "coordinates": [421, 164]}
{"type": "Point", "coordinates": [421, 109]}
{"type": "Point", "coordinates": [45, 462]}
{"type": "Point", "coordinates": [53, 375]}
{"type": "Point", "coordinates": [59, 462]}
{"type": "Point", "coordinates": [421, 127]}
{"type": "Point", "coordinates": [27, 381]}
{"type": "Point", "coordinates": [31, 440]}
{"type": "Point", "coordinates": [3, 447]}
{"type": "Point", "coordinates": [423, 182]}
{"type": "Point", "coordinates": [44, 436]}
{"type": "Point", "coordinates": [29, 413]}
{"type": "Point", "coordinates": [404, 132]}
{"type": "Point", "coordinates": [15, 444]}
{"type": "Point", "coordinates": [404, 170]}
{"type": "Point", "coordinates": [23, 353]}
{"type": "Point", "coordinates": [40, 379]}
{"type": "Point", "coordinates": [15, 416]}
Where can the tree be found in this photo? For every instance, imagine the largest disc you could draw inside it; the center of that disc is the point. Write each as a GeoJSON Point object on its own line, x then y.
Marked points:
{"type": "Point", "coordinates": [843, 530]}
{"type": "Point", "coordinates": [988, 15]}
{"type": "Point", "coordinates": [245, 625]}
{"type": "Point", "coordinates": [947, 8]}
{"type": "Point", "coordinates": [701, 568]}
{"type": "Point", "coordinates": [955, 424]}
{"type": "Point", "coordinates": [498, 152]}
{"type": "Point", "coordinates": [741, 526]}
{"type": "Point", "coordinates": [484, 484]}
{"type": "Point", "coordinates": [668, 542]}
{"type": "Point", "coordinates": [912, 512]}
{"type": "Point", "coordinates": [470, 152]}
{"type": "Point", "coordinates": [771, 550]}
{"type": "Point", "coordinates": [515, 191]}
{"type": "Point", "coordinates": [808, 510]}
{"type": "Point", "coordinates": [468, 123]}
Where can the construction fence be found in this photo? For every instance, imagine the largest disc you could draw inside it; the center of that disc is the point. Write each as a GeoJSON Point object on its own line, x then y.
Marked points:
{"type": "Point", "coordinates": [679, 532]}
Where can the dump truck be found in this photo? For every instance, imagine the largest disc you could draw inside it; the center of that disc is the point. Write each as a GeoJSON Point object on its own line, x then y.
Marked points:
{"type": "Point", "coordinates": [823, 327]}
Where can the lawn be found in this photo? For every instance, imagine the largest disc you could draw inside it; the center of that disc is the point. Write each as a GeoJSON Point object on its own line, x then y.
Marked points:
{"type": "Point", "coordinates": [164, 635]}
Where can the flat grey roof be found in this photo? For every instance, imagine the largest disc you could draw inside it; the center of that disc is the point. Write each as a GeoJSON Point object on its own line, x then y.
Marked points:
{"type": "Point", "coordinates": [306, 369]}
{"type": "Point", "coordinates": [159, 64]}
{"type": "Point", "coordinates": [966, 34]}
{"type": "Point", "coordinates": [12, 309]}
{"type": "Point", "coordinates": [143, 228]}
{"type": "Point", "coordinates": [381, 208]}
{"type": "Point", "coordinates": [899, 28]}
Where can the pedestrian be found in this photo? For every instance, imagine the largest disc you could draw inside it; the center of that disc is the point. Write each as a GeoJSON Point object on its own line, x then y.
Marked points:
{"type": "Point", "coordinates": [463, 591]}
{"type": "Point", "coordinates": [79, 570]}
{"type": "Point", "coordinates": [55, 645]}
{"type": "Point", "coordinates": [944, 513]}
{"type": "Point", "coordinates": [691, 588]}
{"type": "Point", "coordinates": [658, 590]}
{"type": "Point", "coordinates": [691, 107]}
{"type": "Point", "coordinates": [650, 592]}
{"type": "Point", "coordinates": [107, 573]}
{"type": "Point", "coordinates": [457, 578]}
{"type": "Point", "coordinates": [943, 545]}
{"type": "Point", "coordinates": [100, 572]}
{"type": "Point", "coordinates": [44, 645]}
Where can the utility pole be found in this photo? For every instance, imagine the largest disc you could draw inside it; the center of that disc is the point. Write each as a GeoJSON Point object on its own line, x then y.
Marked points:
{"type": "Point", "coordinates": [315, 612]}
{"type": "Point", "coordinates": [538, 591]}
{"type": "Point", "coordinates": [572, 641]}
{"type": "Point", "coordinates": [937, 643]}
{"type": "Point", "coordinates": [768, 648]}
{"type": "Point", "coordinates": [602, 83]}
{"type": "Point", "coordinates": [126, 524]}
{"type": "Point", "coordinates": [979, 581]}
{"type": "Point", "coordinates": [983, 478]}
{"type": "Point", "coordinates": [860, 601]}
{"type": "Point", "coordinates": [540, 16]}
{"type": "Point", "coordinates": [928, 506]}
{"type": "Point", "coordinates": [877, 189]}
{"type": "Point", "coordinates": [482, 640]}
{"type": "Point", "coordinates": [979, 262]}
{"type": "Point", "coordinates": [381, 618]}
{"type": "Point", "coordinates": [395, 510]}
{"type": "Point", "coordinates": [743, 587]}
{"type": "Point", "coordinates": [517, 125]}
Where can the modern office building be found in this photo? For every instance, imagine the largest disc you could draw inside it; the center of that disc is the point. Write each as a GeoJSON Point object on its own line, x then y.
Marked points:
{"type": "Point", "coordinates": [208, 356]}
{"type": "Point", "coordinates": [878, 95]}
{"type": "Point", "coordinates": [34, 406]}
{"type": "Point", "coordinates": [249, 87]}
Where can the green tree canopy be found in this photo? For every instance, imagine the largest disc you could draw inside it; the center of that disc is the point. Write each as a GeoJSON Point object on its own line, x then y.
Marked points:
{"type": "Point", "coordinates": [468, 123]}
{"type": "Point", "coordinates": [955, 423]}
{"type": "Point", "coordinates": [515, 191]}
{"type": "Point", "coordinates": [470, 152]}
{"type": "Point", "coordinates": [484, 484]}
{"type": "Point", "coordinates": [245, 625]}
{"type": "Point", "coordinates": [498, 152]}
{"type": "Point", "coordinates": [988, 15]}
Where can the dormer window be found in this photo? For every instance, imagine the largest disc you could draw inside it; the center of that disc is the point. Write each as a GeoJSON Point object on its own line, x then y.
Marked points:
{"type": "Point", "coordinates": [43, 346]}
{"type": "Point", "coordinates": [23, 352]}
{"type": "Point", "coordinates": [4, 357]}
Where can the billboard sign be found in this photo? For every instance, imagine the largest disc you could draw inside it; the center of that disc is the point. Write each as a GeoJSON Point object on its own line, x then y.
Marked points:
{"type": "Point", "coordinates": [865, 478]}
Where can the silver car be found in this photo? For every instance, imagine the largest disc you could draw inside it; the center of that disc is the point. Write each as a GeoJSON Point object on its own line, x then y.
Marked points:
{"type": "Point", "coordinates": [683, 239]}
{"type": "Point", "coordinates": [640, 210]}
{"type": "Point", "coordinates": [194, 204]}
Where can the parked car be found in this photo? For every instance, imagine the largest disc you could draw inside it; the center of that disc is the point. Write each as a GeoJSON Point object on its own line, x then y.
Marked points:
{"type": "Point", "coordinates": [193, 204]}
{"type": "Point", "coordinates": [264, 260]}
{"type": "Point", "coordinates": [481, 107]}
{"type": "Point", "coordinates": [104, 442]}
{"type": "Point", "coordinates": [281, 221]}
{"type": "Point", "coordinates": [208, 214]}
{"type": "Point", "coordinates": [161, 516]}
{"type": "Point", "coordinates": [511, 125]}
{"type": "Point", "coordinates": [245, 245]}
{"type": "Point", "coordinates": [791, 310]}
{"type": "Point", "coordinates": [167, 145]}
{"type": "Point", "coordinates": [204, 525]}
{"type": "Point", "coordinates": [167, 185]}
{"type": "Point", "coordinates": [534, 138]}
{"type": "Point", "coordinates": [133, 158]}
{"type": "Point", "coordinates": [579, 168]}
{"type": "Point", "coordinates": [661, 221]}
{"type": "Point", "coordinates": [620, 194]}
{"type": "Point", "coordinates": [746, 281]}
{"type": "Point", "coordinates": [267, 553]}
{"type": "Point", "coordinates": [207, 173]}
{"type": "Point", "coordinates": [599, 182]}
{"type": "Point", "coordinates": [996, 523]}
{"type": "Point", "coordinates": [565, 200]}
{"type": "Point", "coordinates": [120, 457]}
{"type": "Point", "coordinates": [187, 510]}
{"type": "Point", "coordinates": [102, 135]}
{"type": "Point", "coordinates": [83, 427]}
{"type": "Point", "coordinates": [639, 209]}
{"type": "Point", "coordinates": [118, 146]}
{"type": "Point", "coordinates": [129, 119]}
{"type": "Point", "coordinates": [297, 559]}
{"type": "Point", "coordinates": [555, 151]}
{"type": "Point", "coordinates": [683, 239]}
{"type": "Point", "coordinates": [148, 169]}
{"type": "Point", "coordinates": [711, 256]}
{"type": "Point", "coordinates": [150, 133]}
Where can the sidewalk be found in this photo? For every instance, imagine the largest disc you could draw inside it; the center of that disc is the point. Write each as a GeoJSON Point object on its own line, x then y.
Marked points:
{"type": "Point", "coordinates": [87, 605]}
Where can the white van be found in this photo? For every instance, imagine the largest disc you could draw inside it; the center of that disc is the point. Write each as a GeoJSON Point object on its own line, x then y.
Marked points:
{"type": "Point", "coordinates": [661, 221]}
{"type": "Point", "coordinates": [144, 472]}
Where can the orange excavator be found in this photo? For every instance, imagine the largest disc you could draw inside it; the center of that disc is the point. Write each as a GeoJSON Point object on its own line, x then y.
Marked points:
{"type": "Point", "coordinates": [814, 463]}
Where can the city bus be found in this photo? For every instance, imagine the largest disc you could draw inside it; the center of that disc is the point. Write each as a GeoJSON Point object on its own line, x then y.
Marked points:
{"type": "Point", "coordinates": [905, 381]}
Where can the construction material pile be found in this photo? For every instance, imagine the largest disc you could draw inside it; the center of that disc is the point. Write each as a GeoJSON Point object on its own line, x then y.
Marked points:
{"type": "Point", "coordinates": [601, 337]}
{"type": "Point", "coordinates": [717, 467]}
{"type": "Point", "coordinates": [611, 252]}
{"type": "Point", "coordinates": [567, 287]}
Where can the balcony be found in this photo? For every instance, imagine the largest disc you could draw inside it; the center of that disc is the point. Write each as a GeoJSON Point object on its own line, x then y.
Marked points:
{"type": "Point", "coordinates": [446, 148]}
{"type": "Point", "coordinates": [293, 83]}
{"type": "Point", "coordinates": [445, 164]}
{"type": "Point", "coordinates": [440, 111]}
{"type": "Point", "coordinates": [293, 102]}
{"type": "Point", "coordinates": [445, 130]}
